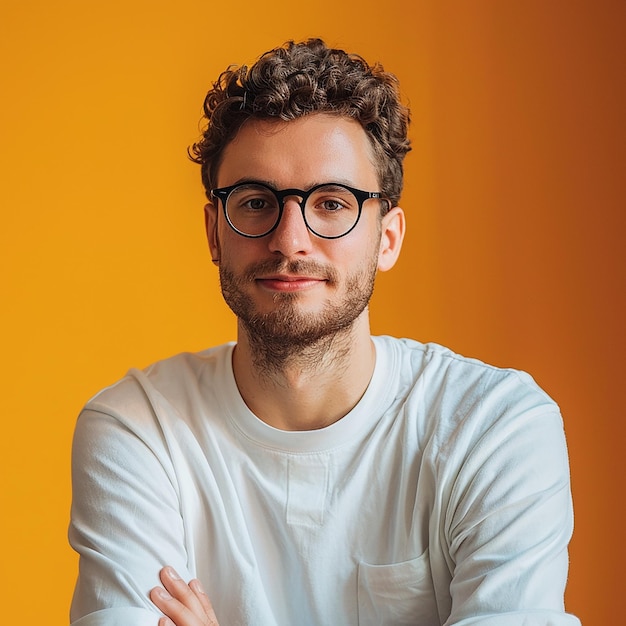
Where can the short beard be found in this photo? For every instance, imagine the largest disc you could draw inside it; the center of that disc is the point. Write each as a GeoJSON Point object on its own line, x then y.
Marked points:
{"type": "Point", "coordinates": [285, 335]}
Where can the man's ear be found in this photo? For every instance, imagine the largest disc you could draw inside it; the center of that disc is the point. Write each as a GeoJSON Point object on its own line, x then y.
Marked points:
{"type": "Point", "coordinates": [392, 234]}
{"type": "Point", "coordinates": [210, 225]}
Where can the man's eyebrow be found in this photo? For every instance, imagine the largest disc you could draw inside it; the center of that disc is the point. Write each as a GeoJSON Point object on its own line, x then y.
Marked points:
{"type": "Point", "coordinates": [249, 180]}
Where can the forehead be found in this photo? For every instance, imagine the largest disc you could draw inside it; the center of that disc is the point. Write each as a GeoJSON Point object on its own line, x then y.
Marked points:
{"type": "Point", "coordinates": [300, 153]}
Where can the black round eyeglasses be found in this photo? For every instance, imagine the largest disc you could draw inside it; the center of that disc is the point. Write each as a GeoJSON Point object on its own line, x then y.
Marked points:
{"type": "Point", "coordinates": [330, 210]}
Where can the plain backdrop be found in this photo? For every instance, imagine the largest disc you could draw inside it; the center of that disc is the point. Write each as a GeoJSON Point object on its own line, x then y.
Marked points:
{"type": "Point", "coordinates": [514, 196]}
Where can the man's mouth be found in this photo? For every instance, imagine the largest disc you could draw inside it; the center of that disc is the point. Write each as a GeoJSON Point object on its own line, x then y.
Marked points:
{"type": "Point", "coordinates": [289, 282]}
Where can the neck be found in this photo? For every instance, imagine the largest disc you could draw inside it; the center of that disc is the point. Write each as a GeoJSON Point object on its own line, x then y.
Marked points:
{"type": "Point", "coordinates": [307, 387]}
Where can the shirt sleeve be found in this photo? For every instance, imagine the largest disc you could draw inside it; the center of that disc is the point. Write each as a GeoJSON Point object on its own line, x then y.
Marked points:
{"type": "Point", "coordinates": [125, 520]}
{"type": "Point", "coordinates": [509, 522]}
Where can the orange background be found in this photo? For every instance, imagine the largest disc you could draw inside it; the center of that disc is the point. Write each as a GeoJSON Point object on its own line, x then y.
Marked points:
{"type": "Point", "coordinates": [514, 255]}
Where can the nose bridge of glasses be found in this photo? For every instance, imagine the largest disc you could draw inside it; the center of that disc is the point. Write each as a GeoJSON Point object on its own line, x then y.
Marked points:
{"type": "Point", "coordinates": [297, 195]}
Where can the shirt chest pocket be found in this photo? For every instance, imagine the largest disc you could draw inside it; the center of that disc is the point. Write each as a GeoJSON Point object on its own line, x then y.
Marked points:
{"type": "Point", "coordinates": [397, 594]}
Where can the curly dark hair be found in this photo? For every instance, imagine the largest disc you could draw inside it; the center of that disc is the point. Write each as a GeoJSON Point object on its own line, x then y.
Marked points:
{"type": "Point", "coordinates": [295, 80]}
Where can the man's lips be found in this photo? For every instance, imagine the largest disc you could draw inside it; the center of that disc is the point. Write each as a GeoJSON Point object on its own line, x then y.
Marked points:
{"type": "Point", "coordinates": [288, 282]}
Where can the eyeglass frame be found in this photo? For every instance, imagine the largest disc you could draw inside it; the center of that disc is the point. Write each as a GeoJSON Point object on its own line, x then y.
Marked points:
{"type": "Point", "coordinates": [361, 196]}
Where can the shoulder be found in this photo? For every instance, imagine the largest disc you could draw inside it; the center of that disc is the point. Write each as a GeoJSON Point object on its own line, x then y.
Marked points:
{"type": "Point", "coordinates": [175, 376]}
{"type": "Point", "coordinates": [145, 401]}
{"type": "Point", "coordinates": [483, 431]}
{"type": "Point", "coordinates": [442, 367]}
{"type": "Point", "coordinates": [452, 394]}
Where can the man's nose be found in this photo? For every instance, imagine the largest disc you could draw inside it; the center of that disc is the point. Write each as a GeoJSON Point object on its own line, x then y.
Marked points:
{"type": "Point", "coordinates": [291, 236]}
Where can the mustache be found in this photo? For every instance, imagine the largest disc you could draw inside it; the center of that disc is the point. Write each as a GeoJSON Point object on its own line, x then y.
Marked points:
{"type": "Point", "coordinates": [285, 266]}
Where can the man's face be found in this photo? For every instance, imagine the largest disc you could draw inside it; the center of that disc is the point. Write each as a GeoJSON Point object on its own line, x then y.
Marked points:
{"type": "Point", "coordinates": [291, 286]}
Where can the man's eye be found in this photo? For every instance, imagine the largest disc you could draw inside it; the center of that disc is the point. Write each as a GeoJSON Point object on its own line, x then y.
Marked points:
{"type": "Point", "coordinates": [255, 204]}
{"type": "Point", "coordinates": [332, 205]}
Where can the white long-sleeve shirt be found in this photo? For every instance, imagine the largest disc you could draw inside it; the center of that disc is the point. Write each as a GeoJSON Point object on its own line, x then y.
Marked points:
{"type": "Point", "coordinates": [442, 498]}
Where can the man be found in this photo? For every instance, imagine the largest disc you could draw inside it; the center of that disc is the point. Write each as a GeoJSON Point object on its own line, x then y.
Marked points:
{"type": "Point", "coordinates": [311, 473]}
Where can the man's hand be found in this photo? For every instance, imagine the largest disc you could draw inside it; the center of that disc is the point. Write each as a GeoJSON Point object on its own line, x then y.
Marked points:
{"type": "Point", "coordinates": [183, 604]}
